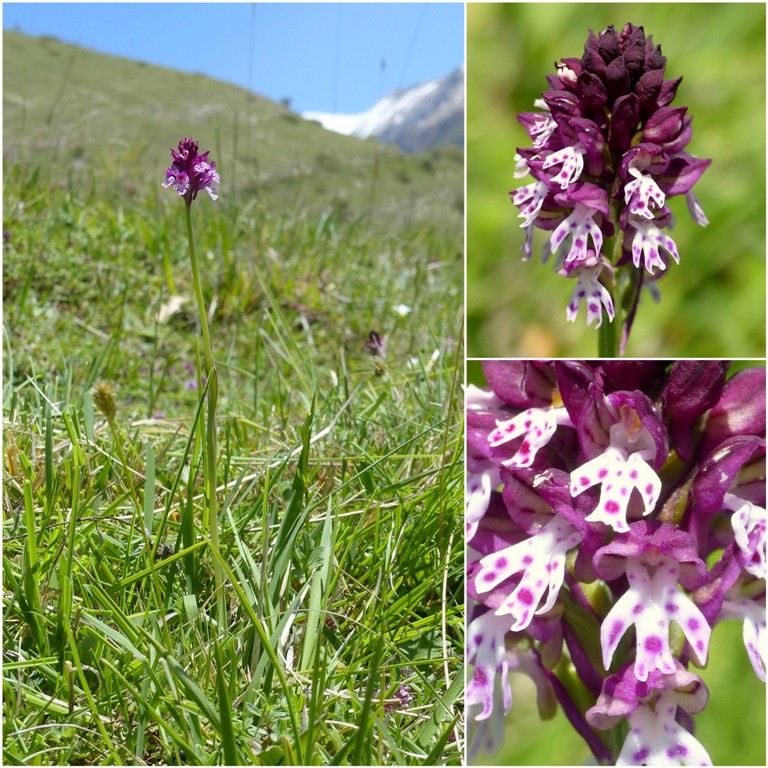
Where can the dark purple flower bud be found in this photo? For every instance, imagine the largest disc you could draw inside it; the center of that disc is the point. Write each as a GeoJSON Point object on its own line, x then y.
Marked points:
{"type": "Point", "coordinates": [648, 87]}
{"type": "Point", "coordinates": [668, 91]}
{"type": "Point", "coordinates": [693, 388]}
{"type": "Point", "coordinates": [608, 45]}
{"type": "Point", "coordinates": [633, 45]}
{"type": "Point", "coordinates": [592, 92]}
{"type": "Point", "coordinates": [616, 79]}
{"type": "Point", "coordinates": [573, 381]}
{"type": "Point", "coordinates": [664, 125]}
{"type": "Point", "coordinates": [632, 374]}
{"type": "Point", "coordinates": [624, 120]}
{"type": "Point", "coordinates": [520, 383]}
{"type": "Point", "coordinates": [719, 470]}
{"type": "Point", "coordinates": [653, 56]}
{"type": "Point", "coordinates": [682, 172]}
{"type": "Point", "coordinates": [740, 410]}
{"type": "Point", "coordinates": [592, 61]}
{"type": "Point", "coordinates": [562, 105]}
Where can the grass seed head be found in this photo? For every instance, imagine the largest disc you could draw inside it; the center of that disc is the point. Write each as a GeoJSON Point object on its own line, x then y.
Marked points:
{"type": "Point", "coordinates": [104, 399]}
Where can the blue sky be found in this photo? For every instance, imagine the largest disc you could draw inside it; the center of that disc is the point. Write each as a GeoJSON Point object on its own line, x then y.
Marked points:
{"type": "Point", "coordinates": [327, 57]}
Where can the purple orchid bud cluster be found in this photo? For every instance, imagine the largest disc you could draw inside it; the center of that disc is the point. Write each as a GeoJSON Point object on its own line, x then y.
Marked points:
{"type": "Point", "coordinates": [615, 513]}
{"type": "Point", "coordinates": [608, 152]}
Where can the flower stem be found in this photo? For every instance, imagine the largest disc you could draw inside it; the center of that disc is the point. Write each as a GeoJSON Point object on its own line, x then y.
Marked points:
{"type": "Point", "coordinates": [610, 333]}
{"type": "Point", "coordinates": [210, 458]}
{"type": "Point", "coordinates": [607, 340]}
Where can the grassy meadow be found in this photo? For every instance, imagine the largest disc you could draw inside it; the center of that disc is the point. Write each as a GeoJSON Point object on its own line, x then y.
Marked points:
{"type": "Point", "coordinates": [713, 303]}
{"type": "Point", "coordinates": [340, 473]}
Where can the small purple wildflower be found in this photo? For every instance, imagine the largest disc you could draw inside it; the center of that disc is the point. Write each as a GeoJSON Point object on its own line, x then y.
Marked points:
{"type": "Point", "coordinates": [190, 172]}
{"type": "Point", "coordinates": [376, 344]}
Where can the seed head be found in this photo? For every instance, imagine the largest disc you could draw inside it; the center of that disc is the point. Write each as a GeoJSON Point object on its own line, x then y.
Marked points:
{"type": "Point", "coordinates": [104, 399]}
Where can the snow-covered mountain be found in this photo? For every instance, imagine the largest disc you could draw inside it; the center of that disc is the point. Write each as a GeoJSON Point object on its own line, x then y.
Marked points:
{"type": "Point", "coordinates": [416, 119]}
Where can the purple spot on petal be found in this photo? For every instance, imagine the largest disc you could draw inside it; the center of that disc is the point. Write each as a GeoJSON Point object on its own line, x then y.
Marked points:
{"type": "Point", "coordinates": [602, 473]}
{"type": "Point", "coordinates": [633, 474]}
{"type": "Point", "coordinates": [693, 624]}
{"type": "Point", "coordinates": [649, 490]}
{"type": "Point", "coordinates": [501, 562]}
{"type": "Point", "coordinates": [653, 644]}
{"type": "Point", "coordinates": [489, 576]}
{"type": "Point", "coordinates": [670, 607]}
{"type": "Point", "coordinates": [527, 560]}
{"type": "Point", "coordinates": [616, 632]}
{"type": "Point", "coordinates": [612, 507]}
{"type": "Point", "coordinates": [638, 609]}
{"type": "Point", "coordinates": [640, 755]}
{"type": "Point", "coordinates": [525, 596]}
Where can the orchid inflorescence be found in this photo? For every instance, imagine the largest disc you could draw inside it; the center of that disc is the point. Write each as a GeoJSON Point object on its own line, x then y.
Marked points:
{"type": "Point", "coordinates": [189, 172]}
{"type": "Point", "coordinates": [608, 152]}
{"type": "Point", "coordinates": [615, 513]}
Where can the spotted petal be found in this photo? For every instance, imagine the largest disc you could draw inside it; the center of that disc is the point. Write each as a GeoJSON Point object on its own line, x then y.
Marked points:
{"type": "Point", "coordinates": [542, 558]}
{"type": "Point", "coordinates": [536, 425]}
{"type": "Point", "coordinates": [618, 476]}
{"type": "Point", "coordinates": [651, 603]}
{"type": "Point", "coordinates": [647, 241]}
{"type": "Point", "coordinates": [655, 738]}
{"type": "Point", "coordinates": [581, 227]}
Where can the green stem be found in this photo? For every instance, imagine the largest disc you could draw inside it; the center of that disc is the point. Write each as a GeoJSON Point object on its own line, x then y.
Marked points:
{"type": "Point", "coordinates": [609, 334]}
{"type": "Point", "coordinates": [210, 462]}
{"type": "Point", "coordinates": [607, 342]}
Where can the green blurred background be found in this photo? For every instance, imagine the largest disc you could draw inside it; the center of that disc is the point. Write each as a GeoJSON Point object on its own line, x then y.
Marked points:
{"type": "Point", "coordinates": [713, 303]}
{"type": "Point", "coordinates": [731, 728]}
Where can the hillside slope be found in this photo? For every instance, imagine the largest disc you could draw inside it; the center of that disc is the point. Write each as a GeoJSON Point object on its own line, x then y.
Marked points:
{"type": "Point", "coordinates": [83, 114]}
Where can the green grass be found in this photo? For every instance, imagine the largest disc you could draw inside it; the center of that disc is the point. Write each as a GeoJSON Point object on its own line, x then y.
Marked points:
{"type": "Point", "coordinates": [340, 476]}
{"type": "Point", "coordinates": [713, 302]}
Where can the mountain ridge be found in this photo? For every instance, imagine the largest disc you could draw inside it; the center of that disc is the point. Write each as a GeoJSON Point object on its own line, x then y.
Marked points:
{"type": "Point", "coordinates": [416, 119]}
